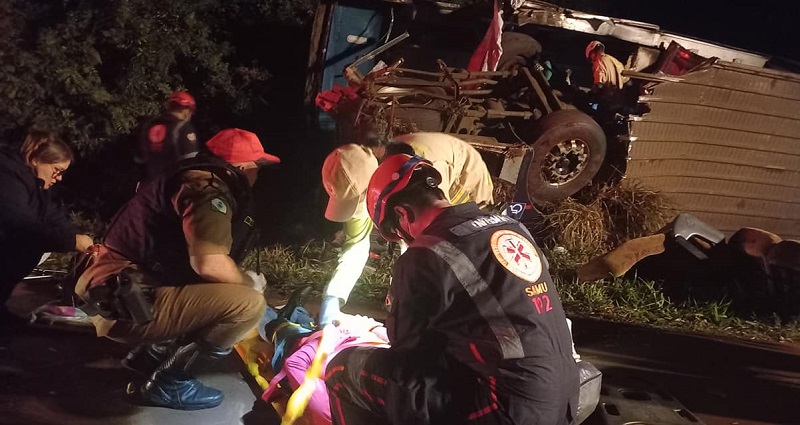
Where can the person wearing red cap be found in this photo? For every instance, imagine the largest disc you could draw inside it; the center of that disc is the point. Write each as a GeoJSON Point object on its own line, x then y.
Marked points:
{"type": "Point", "coordinates": [166, 275]}
{"type": "Point", "coordinates": [477, 330]}
{"type": "Point", "coordinates": [167, 138]}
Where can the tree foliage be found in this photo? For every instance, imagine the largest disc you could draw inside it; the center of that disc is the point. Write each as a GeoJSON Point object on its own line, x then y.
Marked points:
{"type": "Point", "coordinates": [94, 68]}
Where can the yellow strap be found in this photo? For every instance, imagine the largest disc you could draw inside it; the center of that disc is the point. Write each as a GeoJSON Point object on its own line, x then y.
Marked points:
{"type": "Point", "coordinates": [298, 402]}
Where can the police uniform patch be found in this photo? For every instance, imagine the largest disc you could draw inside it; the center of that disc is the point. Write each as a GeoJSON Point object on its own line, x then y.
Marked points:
{"type": "Point", "coordinates": [219, 205]}
{"type": "Point", "coordinates": [517, 254]}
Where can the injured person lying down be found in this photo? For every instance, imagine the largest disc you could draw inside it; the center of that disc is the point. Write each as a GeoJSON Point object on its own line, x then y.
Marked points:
{"type": "Point", "coordinates": [302, 355]}
{"type": "Point", "coordinates": [303, 352]}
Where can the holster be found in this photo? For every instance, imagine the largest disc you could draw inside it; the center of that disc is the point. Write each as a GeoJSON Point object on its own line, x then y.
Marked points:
{"type": "Point", "coordinates": [126, 296]}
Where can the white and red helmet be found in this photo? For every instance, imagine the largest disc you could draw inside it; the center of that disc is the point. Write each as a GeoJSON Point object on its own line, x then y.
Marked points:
{"type": "Point", "coordinates": [391, 177]}
{"type": "Point", "coordinates": [593, 45]}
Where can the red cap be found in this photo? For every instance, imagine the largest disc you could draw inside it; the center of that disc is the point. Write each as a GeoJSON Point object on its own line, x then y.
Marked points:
{"type": "Point", "coordinates": [182, 98]}
{"type": "Point", "coordinates": [235, 145]}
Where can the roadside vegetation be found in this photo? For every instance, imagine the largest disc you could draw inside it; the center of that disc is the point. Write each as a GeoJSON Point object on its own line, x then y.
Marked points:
{"type": "Point", "coordinates": [571, 234]}
{"type": "Point", "coordinates": [625, 300]}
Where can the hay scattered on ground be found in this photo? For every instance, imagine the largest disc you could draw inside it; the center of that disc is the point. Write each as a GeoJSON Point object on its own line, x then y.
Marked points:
{"type": "Point", "coordinates": [611, 216]}
{"type": "Point", "coordinates": [633, 211]}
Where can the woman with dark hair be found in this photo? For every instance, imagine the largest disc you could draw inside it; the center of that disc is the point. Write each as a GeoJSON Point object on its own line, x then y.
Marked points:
{"type": "Point", "coordinates": [30, 222]}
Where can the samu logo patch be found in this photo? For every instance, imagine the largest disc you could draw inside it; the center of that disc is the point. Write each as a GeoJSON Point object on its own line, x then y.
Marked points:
{"type": "Point", "coordinates": [517, 254]}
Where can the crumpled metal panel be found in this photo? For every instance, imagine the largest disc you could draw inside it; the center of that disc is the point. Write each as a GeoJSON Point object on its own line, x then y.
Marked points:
{"type": "Point", "coordinates": [723, 143]}
{"type": "Point", "coordinates": [642, 33]}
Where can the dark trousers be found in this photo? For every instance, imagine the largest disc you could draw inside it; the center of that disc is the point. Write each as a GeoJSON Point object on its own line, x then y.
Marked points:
{"type": "Point", "coordinates": [381, 386]}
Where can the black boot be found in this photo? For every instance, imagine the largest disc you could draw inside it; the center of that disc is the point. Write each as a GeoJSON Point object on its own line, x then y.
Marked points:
{"type": "Point", "coordinates": [173, 386]}
{"type": "Point", "coordinates": [145, 358]}
{"type": "Point", "coordinates": [295, 300]}
{"type": "Point", "coordinates": [283, 337]}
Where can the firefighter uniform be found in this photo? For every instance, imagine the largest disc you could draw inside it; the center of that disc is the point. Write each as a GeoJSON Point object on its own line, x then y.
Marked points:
{"type": "Point", "coordinates": [201, 208]}
{"type": "Point", "coordinates": [477, 329]}
{"type": "Point", "coordinates": [607, 71]}
{"type": "Point", "coordinates": [465, 177]}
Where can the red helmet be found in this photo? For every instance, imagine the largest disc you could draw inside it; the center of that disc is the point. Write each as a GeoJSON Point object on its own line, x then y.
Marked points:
{"type": "Point", "coordinates": [392, 176]}
{"type": "Point", "coordinates": [183, 99]}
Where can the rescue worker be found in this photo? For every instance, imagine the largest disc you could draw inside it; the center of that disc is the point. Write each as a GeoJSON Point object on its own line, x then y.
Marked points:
{"type": "Point", "coordinates": [345, 175]}
{"type": "Point", "coordinates": [31, 223]}
{"type": "Point", "coordinates": [178, 242]}
{"type": "Point", "coordinates": [476, 326]}
{"type": "Point", "coordinates": [167, 138]}
{"type": "Point", "coordinates": [465, 177]}
{"type": "Point", "coordinates": [606, 69]}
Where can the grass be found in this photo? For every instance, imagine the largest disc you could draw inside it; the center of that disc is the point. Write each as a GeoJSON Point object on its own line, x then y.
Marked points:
{"type": "Point", "coordinates": [314, 263]}
{"type": "Point", "coordinates": [632, 301]}
{"type": "Point", "coordinates": [641, 302]}
{"type": "Point", "coordinates": [575, 233]}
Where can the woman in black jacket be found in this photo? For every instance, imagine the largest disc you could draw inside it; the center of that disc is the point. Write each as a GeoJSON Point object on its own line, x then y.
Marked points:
{"type": "Point", "coordinates": [30, 222]}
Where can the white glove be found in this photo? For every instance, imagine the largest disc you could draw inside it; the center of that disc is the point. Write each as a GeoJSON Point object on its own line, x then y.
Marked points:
{"type": "Point", "coordinates": [257, 280]}
{"type": "Point", "coordinates": [357, 324]}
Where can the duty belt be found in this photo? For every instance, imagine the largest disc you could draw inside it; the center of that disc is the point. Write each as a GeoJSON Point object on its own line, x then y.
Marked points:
{"type": "Point", "coordinates": [123, 297]}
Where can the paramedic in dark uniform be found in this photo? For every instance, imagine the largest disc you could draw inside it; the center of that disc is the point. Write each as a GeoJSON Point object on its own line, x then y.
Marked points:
{"type": "Point", "coordinates": [183, 234]}
{"type": "Point", "coordinates": [167, 138]}
{"type": "Point", "coordinates": [477, 330]}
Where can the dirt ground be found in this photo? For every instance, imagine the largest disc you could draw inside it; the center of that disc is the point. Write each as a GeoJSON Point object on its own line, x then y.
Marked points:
{"type": "Point", "coordinates": [56, 376]}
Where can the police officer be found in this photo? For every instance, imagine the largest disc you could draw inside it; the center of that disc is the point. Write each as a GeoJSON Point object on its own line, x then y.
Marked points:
{"type": "Point", "coordinates": [476, 325]}
{"type": "Point", "coordinates": [182, 236]}
{"type": "Point", "coordinates": [167, 138]}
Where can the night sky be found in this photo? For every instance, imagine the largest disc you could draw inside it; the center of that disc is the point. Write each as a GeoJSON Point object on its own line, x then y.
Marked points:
{"type": "Point", "coordinates": [765, 26]}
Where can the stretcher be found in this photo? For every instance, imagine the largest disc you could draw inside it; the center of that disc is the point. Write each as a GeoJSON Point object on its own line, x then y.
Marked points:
{"type": "Point", "coordinates": [257, 353]}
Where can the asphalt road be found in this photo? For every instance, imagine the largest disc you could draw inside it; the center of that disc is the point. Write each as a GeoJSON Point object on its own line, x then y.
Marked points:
{"type": "Point", "coordinates": [56, 376]}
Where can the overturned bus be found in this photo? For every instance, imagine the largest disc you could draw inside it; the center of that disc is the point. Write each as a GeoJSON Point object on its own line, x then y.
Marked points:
{"type": "Point", "coordinates": [714, 128]}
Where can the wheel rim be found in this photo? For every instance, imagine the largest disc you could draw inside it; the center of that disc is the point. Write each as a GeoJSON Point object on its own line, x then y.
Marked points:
{"type": "Point", "coordinates": [565, 162]}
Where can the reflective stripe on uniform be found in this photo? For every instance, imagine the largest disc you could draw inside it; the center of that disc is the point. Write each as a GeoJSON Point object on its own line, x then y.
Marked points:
{"type": "Point", "coordinates": [477, 288]}
{"type": "Point", "coordinates": [459, 195]}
